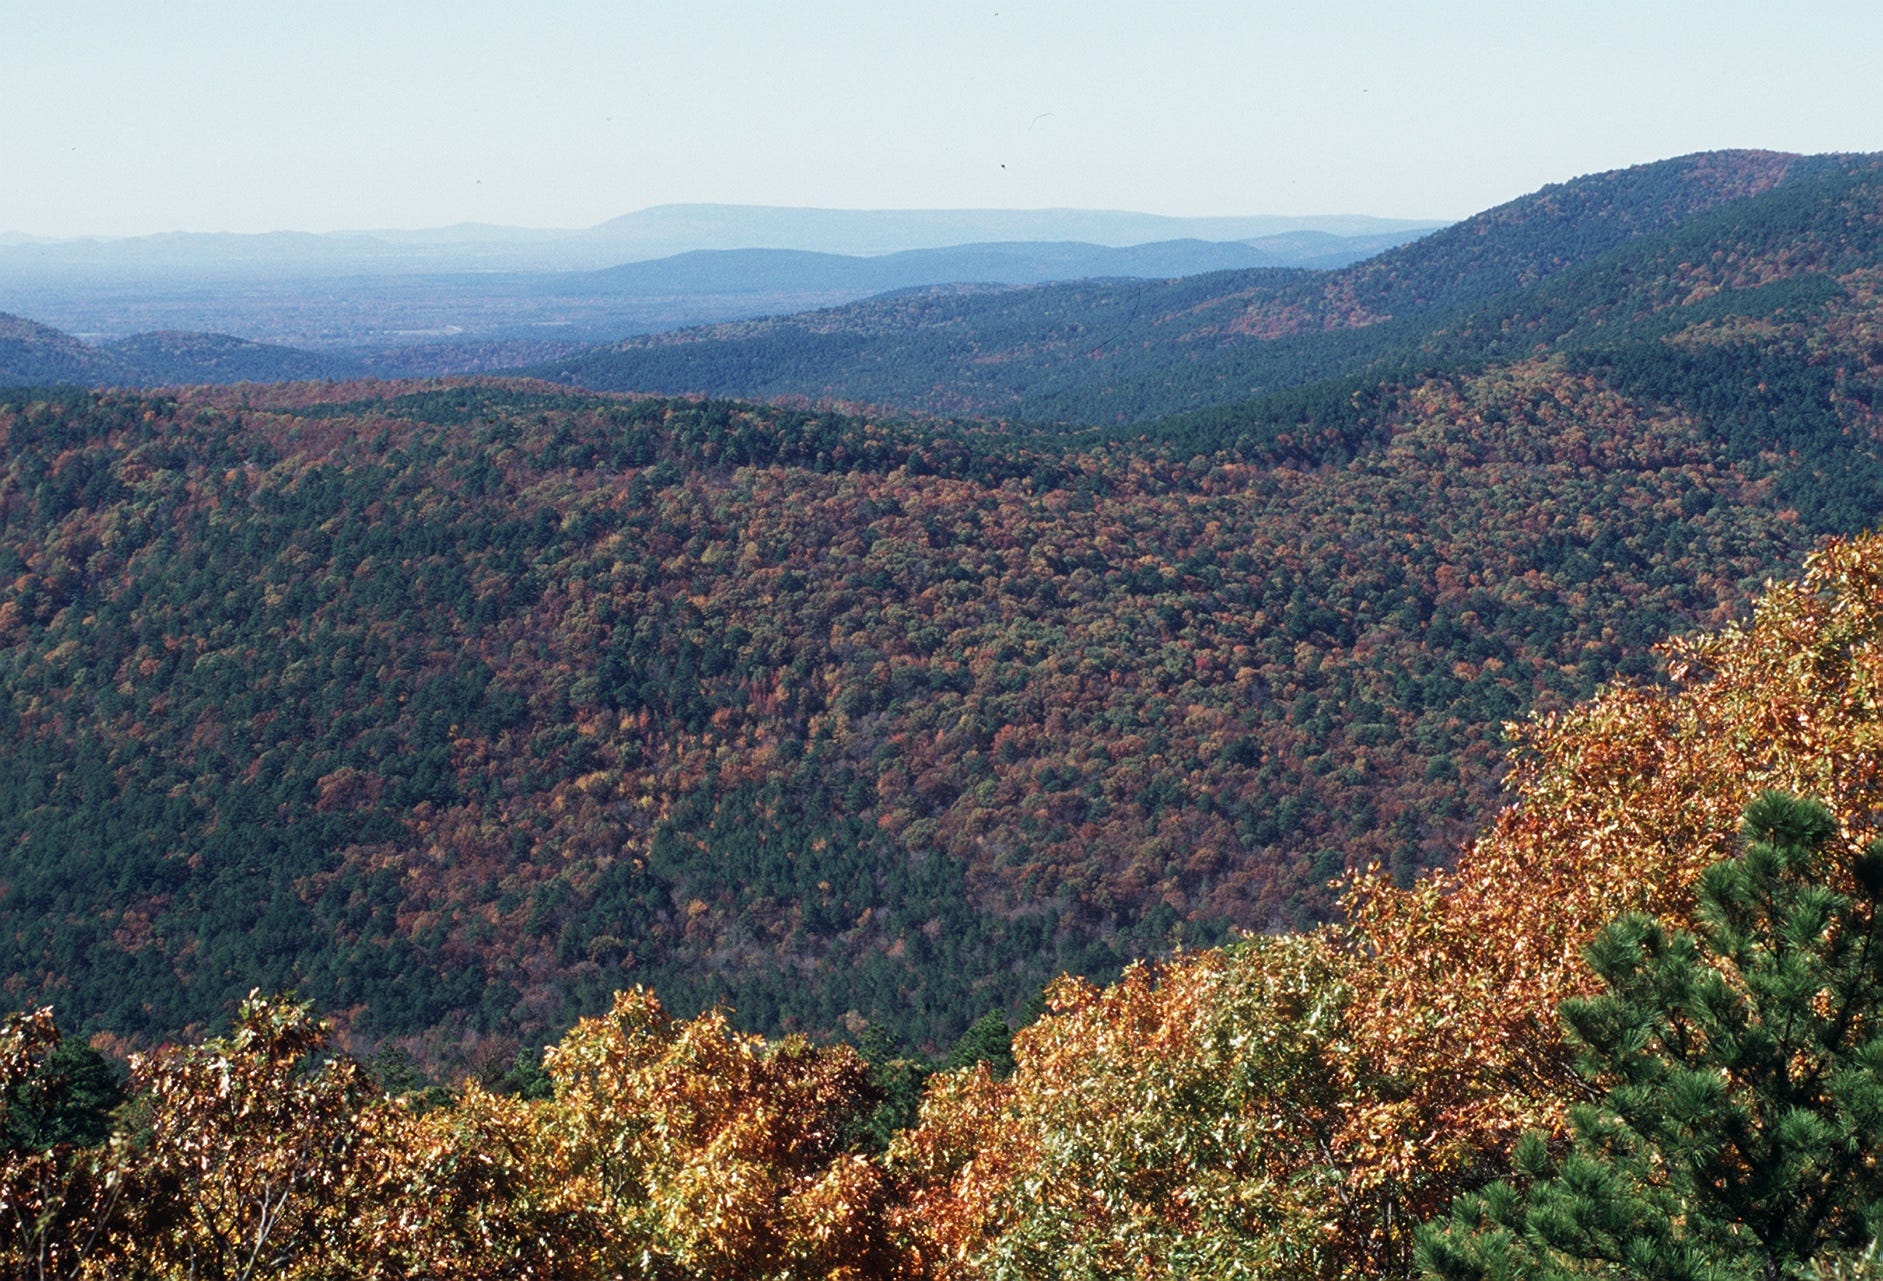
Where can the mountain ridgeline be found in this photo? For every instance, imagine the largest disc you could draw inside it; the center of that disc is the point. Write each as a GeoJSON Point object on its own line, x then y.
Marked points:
{"type": "Point", "coordinates": [461, 705]}
{"type": "Point", "coordinates": [1132, 352]}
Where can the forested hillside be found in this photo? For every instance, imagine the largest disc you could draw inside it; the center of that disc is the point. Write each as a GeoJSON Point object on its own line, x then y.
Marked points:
{"type": "Point", "coordinates": [747, 756]}
{"type": "Point", "coordinates": [1664, 235]}
{"type": "Point", "coordinates": [34, 353]}
{"type": "Point", "coordinates": [1662, 967]}
{"type": "Point", "coordinates": [169, 357]}
{"type": "Point", "coordinates": [478, 702]}
{"type": "Point", "coordinates": [466, 704]}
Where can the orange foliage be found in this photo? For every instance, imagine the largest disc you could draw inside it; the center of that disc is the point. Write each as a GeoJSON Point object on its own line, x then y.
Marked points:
{"type": "Point", "coordinates": [1620, 805]}
{"type": "Point", "coordinates": [1423, 1036]}
{"type": "Point", "coordinates": [1171, 1124]}
{"type": "Point", "coordinates": [671, 1150]}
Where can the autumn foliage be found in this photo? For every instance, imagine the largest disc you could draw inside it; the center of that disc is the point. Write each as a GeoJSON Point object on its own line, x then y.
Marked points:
{"type": "Point", "coordinates": [1289, 1106]}
{"type": "Point", "coordinates": [1426, 1039]}
{"type": "Point", "coordinates": [470, 705]}
{"type": "Point", "coordinates": [669, 1150]}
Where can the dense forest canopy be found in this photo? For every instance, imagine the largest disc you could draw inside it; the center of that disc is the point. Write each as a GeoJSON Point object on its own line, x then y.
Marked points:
{"type": "Point", "coordinates": [477, 702]}
{"type": "Point", "coordinates": [1300, 1106]}
{"type": "Point", "coordinates": [1286, 736]}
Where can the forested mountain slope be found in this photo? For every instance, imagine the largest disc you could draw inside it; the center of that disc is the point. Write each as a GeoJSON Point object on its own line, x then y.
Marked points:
{"type": "Point", "coordinates": [1758, 321]}
{"type": "Point", "coordinates": [479, 701]}
{"type": "Point", "coordinates": [34, 353]}
{"type": "Point", "coordinates": [172, 358]}
{"type": "Point", "coordinates": [1661, 965]}
{"type": "Point", "coordinates": [446, 702]}
{"type": "Point", "coordinates": [1126, 352]}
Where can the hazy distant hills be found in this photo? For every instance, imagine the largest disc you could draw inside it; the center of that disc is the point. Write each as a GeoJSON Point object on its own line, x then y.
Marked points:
{"type": "Point", "coordinates": [488, 322]}
{"type": "Point", "coordinates": [1006, 262]}
{"type": "Point", "coordinates": [374, 293]}
{"type": "Point", "coordinates": [1067, 331]}
{"type": "Point", "coordinates": [389, 318]}
{"type": "Point", "coordinates": [664, 231]}
{"type": "Point", "coordinates": [1100, 352]}
{"type": "Point", "coordinates": [174, 357]}
{"type": "Point", "coordinates": [35, 354]}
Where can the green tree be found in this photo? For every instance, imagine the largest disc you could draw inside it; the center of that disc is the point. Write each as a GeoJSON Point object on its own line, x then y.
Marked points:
{"type": "Point", "coordinates": [525, 1078]}
{"type": "Point", "coordinates": [988, 1040]}
{"type": "Point", "coordinates": [68, 1098]}
{"type": "Point", "coordinates": [898, 1080]}
{"type": "Point", "coordinates": [1740, 1072]}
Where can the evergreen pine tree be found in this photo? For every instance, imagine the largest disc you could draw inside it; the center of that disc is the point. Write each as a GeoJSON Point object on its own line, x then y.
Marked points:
{"type": "Point", "coordinates": [1739, 1121]}
{"type": "Point", "coordinates": [67, 1098]}
{"type": "Point", "coordinates": [988, 1040]}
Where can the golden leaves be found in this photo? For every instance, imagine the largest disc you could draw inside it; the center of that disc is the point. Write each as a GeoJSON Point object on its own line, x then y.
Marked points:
{"type": "Point", "coordinates": [672, 1149]}
{"type": "Point", "coordinates": [1176, 1115]}
{"type": "Point", "coordinates": [1299, 1104]}
{"type": "Point", "coordinates": [720, 1153]}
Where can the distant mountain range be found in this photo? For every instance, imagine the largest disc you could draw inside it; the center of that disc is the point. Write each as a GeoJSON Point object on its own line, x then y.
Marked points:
{"type": "Point", "coordinates": [462, 299]}
{"type": "Point", "coordinates": [659, 232]}
{"type": "Point", "coordinates": [1127, 351]}
{"type": "Point", "coordinates": [383, 317]}
{"type": "Point", "coordinates": [1071, 332]}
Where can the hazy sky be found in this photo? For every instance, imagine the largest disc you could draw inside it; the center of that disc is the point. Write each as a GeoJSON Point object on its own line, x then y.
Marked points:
{"type": "Point", "coordinates": [201, 115]}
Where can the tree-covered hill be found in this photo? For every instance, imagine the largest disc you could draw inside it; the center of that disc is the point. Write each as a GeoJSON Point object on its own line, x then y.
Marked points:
{"type": "Point", "coordinates": [475, 702]}
{"type": "Point", "coordinates": [1634, 1032]}
{"type": "Point", "coordinates": [33, 354]}
{"type": "Point", "coordinates": [172, 358]}
{"type": "Point", "coordinates": [1534, 237]}
{"type": "Point", "coordinates": [447, 702]}
{"type": "Point", "coordinates": [1127, 352]}
{"type": "Point", "coordinates": [1756, 320]}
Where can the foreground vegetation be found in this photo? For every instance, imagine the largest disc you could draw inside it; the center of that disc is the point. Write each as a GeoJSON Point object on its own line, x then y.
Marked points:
{"type": "Point", "coordinates": [1286, 1106]}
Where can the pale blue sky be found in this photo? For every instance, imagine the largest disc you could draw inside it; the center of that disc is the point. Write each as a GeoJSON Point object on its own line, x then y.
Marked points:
{"type": "Point", "coordinates": [201, 115]}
